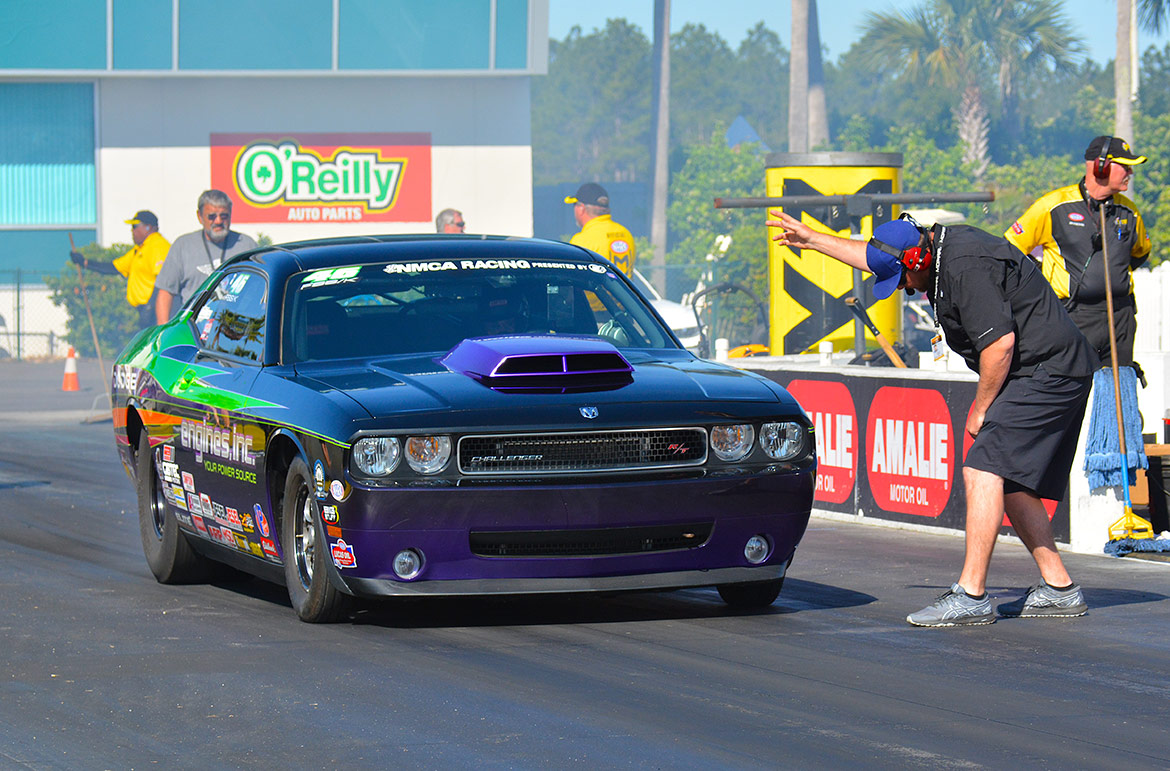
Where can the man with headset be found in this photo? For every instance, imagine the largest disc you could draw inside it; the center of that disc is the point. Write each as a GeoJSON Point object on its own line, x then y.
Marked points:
{"type": "Point", "coordinates": [1066, 224]}
{"type": "Point", "coordinates": [1035, 370]}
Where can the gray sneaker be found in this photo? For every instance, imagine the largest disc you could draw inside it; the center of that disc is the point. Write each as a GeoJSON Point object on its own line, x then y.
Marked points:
{"type": "Point", "coordinates": [1044, 601]}
{"type": "Point", "coordinates": [954, 608]}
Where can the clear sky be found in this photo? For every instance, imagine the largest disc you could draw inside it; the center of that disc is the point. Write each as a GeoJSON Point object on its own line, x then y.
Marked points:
{"type": "Point", "coordinates": [840, 20]}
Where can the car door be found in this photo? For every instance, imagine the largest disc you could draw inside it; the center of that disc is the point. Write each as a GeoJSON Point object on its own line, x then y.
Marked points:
{"type": "Point", "coordinates": [219, 448]}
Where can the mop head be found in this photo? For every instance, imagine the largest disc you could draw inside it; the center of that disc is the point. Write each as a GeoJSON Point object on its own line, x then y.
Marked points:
{"type": "Point", "coordinates": [1102, 460]}
{"type": "Point", "coordinates": [1120, 547]}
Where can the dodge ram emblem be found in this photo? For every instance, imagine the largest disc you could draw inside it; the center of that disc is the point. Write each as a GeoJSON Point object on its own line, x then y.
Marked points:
{"type": "Point", "coordinates": [589, 413]}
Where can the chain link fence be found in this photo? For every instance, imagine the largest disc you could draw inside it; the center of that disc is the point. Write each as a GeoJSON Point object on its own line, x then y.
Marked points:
{"type": "Point", "coordinates": [31, 326]}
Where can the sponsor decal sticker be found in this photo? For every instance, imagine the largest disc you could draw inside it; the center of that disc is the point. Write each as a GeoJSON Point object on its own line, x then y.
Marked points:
{"type": "Point", "coordinates": [1017, 228]}
{"type": "Point", "coordinates": [343, 556]}
{"type": "Point", "coordinates": [261, 520]}
{"type": "Point", "coordinates": [319, 478]}
{"type": "Point", "coordinates": [197, 521]}
{"type": "Point", "coordinates": [183, 519]}
{"type": "Point", "coordinates": [1074, 216]}
{"type": "Point", "coordinates": [619, 246]}
{"type": "Point", "coordinates": [830, 407]}
{"type": "Point", "coordinates": [241, 541]}
{"type": "Point", "coordinates": [333, 531]}
{"type": "Point", "coordinates": [168, 453]}
{"type": "Point", "coordinates": [255, 549]}
{"type": "Point", "coordinates": [226, 537]}
{"type": "Point", "coordinates": [246, 521]}
{"type": "Point", "coordinates": [337, 490]}
{"type": "Point", "coordinates": [205, 505]}
{"type": "Point", "coordinates": [435, 267]}
{"type": "Point", "coordinates": [179, 498]}
{"type": "Point", "coordinates": [229, 444]}
{"type": "Point", "coordinates": [329, 514]}
{"type": "Point", "coordinates": [910, 450]}
{"type": "Point", "coordinates": [170, 472]}
{"type": "Point", "coordinates": [126, 378]}
{"type": "Point", "coordinates": [230, 517]}
{"type": "Point", "coordinates": [193, 504]}
{"type": "Point", "coordinates": [269, 547]}
{"type": "Point", "coordinates": [372, 177]}
{"type": "Point", "coordinates": [188, 482]}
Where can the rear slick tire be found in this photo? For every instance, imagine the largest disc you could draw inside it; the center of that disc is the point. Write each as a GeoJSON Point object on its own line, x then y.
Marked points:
{"type": "Point", "coordinates": [757, 594]}
{"type": "Point", "coordinates": [169, 555]}
{"type": "Point", "coordinates": [313, 597]}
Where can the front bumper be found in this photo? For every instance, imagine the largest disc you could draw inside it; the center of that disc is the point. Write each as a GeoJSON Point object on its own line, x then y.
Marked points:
{"type": "Point", "coordinates": [643, 582]}
{"type": "Point", "coordinates": [376, 524]}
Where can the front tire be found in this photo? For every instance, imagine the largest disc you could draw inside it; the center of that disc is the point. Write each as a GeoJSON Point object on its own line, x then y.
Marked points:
{"type": "Point", "coordinates": [313, 597]}
{"type": "Point", "coordinates": [170, 557]}
{"type": "Point", "coordinates": [757, 594]}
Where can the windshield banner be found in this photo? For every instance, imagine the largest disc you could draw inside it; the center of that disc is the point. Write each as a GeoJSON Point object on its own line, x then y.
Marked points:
{"type": "Point", "coordinates": [324, 177]}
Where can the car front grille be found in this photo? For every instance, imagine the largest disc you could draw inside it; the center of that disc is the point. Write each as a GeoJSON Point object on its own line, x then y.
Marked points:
{"type": "Point", "coordinates": [582, 452]}
{"type": "Point", "coordinates": [588, 543]}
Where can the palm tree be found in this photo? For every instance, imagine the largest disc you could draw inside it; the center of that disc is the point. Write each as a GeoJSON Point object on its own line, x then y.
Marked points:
{"type": "Point", "coordinates": [818, 111]}
{"type": "Point", "coordinates": [1124, 75]}
{"type": "Point", "coordinates": [1026, 38]}
{"type": "Point", "coordinates": [798, 80]}
{"type": "Point", "coordinates": [661, 143]}
{"type": "Point", "coordinates": [1152, 15]}
{"type": "Point", "coordinates": [950, 42]}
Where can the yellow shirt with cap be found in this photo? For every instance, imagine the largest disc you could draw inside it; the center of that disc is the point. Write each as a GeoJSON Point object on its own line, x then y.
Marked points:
{"type": "Point", "coordinates": [140, 266]}
{"type": "Point", "coordinates": [609, 239]}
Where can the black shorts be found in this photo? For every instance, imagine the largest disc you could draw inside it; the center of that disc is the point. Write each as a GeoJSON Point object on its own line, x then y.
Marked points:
{"type": "Point", "coordinates": [1029, 436]}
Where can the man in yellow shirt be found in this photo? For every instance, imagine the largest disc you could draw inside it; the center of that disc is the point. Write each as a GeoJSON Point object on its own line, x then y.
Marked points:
{"type": "Point", "coordinates": [599, 232]}
{"type": "Point", "coordinates": [1066, 225]}
{"type": "Point", "coordinates": [140, 265]}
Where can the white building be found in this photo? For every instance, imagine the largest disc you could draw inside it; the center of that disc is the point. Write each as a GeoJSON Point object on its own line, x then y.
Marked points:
{"type": "Point", "coordinates": [363, 116]}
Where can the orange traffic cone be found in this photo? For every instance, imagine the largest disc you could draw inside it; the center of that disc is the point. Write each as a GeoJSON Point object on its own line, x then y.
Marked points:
{"type": "Point", "coordinates": [70, 381]}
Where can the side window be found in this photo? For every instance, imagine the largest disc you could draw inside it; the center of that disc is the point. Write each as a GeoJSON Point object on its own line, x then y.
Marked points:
{"type": "Point", "coordinates": [231, 321]}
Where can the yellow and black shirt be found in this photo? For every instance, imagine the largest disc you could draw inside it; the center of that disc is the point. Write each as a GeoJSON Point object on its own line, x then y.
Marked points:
{"type": "Point", "coordinates": [1066, 223]}
{"type": "Point", "coordinates": [609, 239]}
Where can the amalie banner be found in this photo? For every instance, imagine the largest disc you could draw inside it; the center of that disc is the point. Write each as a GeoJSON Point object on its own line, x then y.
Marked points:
{"type": "Point", "coordinates": [324, 177]}
{"type": "Point", "coordinates": [892, 447]}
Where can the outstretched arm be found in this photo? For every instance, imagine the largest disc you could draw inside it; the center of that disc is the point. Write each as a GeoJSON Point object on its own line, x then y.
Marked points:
{"type": "Point", "coordinates": [800, 236]}
{"type": "Point", "coordinates": [97, 267]}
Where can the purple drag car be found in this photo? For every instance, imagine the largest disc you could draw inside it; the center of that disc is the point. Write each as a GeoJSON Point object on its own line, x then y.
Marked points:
{"type": "Point", "coordinates": [411, 416]}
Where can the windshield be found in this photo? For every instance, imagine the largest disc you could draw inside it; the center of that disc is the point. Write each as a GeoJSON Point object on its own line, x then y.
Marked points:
{"type": "Point", "coordinates": [402, 308]}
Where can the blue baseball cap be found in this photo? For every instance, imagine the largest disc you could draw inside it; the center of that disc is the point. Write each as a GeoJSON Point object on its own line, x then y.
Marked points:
{"type": "Point", "coordinates": [887, 268]}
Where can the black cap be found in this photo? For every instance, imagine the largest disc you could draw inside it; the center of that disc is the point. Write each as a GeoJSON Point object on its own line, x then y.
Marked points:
{"type": "Point", "coordinates": [1118, 151]}
{"type": "Point", "coordinates": [590, 194]}
{"type": "Point", "coordinates": [143, 217]}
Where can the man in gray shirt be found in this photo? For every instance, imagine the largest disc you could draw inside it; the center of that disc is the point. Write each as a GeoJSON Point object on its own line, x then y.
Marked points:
{"type": "Point", "coordinates": [194, 256]}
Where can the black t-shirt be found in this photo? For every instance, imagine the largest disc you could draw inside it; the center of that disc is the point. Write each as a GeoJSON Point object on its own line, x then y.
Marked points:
{"type": "Point", "coordinates": [987, 288]}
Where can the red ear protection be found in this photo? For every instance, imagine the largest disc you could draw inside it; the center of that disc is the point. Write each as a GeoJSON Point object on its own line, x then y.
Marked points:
{"type": "Point", "coordinates": [1101, 165]}
{"type": "Point", "coordinates": [914, 257]}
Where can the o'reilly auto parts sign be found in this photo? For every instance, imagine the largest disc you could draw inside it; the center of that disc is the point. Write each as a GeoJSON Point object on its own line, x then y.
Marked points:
{"type": "Point", "coordinates": [316, 178]}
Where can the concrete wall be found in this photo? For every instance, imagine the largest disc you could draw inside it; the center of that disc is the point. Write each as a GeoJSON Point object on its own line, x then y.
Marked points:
{"type": "Point", "coordinates": [154, 150]}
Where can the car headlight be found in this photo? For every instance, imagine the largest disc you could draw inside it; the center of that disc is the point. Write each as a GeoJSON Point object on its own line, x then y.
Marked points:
{"type": "Point", "coordinates": [782, 441]}
{"type": "Point", "coordinates": [376, 456]}
{"type": "Point", "coordinates": [428, 454]}
{"type": "Point", "coordinates": [732, 442]}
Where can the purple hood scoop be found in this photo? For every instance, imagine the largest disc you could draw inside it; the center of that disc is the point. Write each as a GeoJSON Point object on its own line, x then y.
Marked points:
{"type": "Point", "coordinates": [540, 364]}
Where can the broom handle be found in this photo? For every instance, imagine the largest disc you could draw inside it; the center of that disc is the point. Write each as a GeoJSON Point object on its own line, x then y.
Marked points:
{"type": "Point", "coordinates": [92, 328]}
{"type": "Point", "coordinates": [1113, 361]}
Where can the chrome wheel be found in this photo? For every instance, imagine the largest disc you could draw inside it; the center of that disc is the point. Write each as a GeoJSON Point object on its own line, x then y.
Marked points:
{"type": "Point", "coordinates": [305, 536]}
